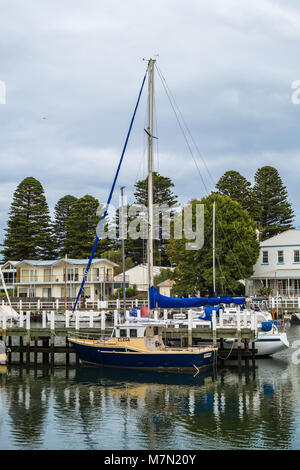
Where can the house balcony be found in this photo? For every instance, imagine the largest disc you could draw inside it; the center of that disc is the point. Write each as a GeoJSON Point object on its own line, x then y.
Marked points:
{"type": "Point", "coordinates": [62, 279]}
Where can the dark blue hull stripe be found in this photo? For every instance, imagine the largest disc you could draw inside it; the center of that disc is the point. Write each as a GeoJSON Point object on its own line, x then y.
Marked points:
{"type": "Point", "coordinates": [96, 355]}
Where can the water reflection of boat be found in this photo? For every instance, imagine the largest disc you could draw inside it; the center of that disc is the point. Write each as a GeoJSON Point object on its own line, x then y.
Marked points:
{"type": "Point", "coordinates": [3, 370]}
{"type": "Point", "coordinates": [109, 377]}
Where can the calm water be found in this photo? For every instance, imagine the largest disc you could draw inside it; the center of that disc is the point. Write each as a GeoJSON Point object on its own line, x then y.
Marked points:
{"type": "Point", "coordinates": [88, 408]}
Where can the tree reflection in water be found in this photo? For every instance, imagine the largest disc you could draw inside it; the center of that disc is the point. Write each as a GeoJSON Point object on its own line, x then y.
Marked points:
{"type": "Point", "coordinates": [92, 408]}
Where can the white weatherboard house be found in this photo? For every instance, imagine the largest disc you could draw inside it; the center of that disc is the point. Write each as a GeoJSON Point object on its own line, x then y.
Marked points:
{"type": "Point", "coordinates": [278, 266]}
{"type": "Point", "coordinates": [138, 275]}
{"type": "Point", "coordinates": [62, 277]}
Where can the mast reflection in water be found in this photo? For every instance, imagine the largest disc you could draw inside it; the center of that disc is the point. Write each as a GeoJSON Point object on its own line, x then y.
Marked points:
{"type": "Point", "coordinates": [91, 408]}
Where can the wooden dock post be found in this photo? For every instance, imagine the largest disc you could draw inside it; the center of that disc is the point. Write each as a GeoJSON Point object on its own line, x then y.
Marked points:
{"type": "Point", "coordinates": [67, 353]}
{"type": "Point", "coordinates": [239, 345]}
{"type": "Point", "coordinates": [9, 349]}
{"type": "Point", "coordinates": [190, 328]}
{"type": "Point", "coordinates": [253, 332]}
{"type": "Point", "coordinates": [76, 321]}
{"type": "Point", "coordinates": [27, 337]}
{"type": "Point", "coordinates": [115, 317]}
{"type": "Point", "coordinates": [52, 320]}
{"type": "Point", "coordinates": [21, 318]}
{"type": "Point", "coordinates": [21, 347]}
{"type": "Point", "coordinates": [45, 354]}
{"type": "Point", "coordinates": [214, 327]}
{"type": "Point", "coordinates": [35, 352]}
{"type": "Point", "coordinates": [67, 318]}
{"type": "Point", "coordinates": [44, 319]}
{"type": "Point", "coordinates": [52, 334]}
{"type": "Point", "coordinates": [103, 319]}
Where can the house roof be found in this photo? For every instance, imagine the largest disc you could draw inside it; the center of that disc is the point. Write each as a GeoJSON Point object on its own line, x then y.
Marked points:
{"type": "Point", "coordinates": [280, 274]}
{"type": "Point", "coordinates": [156, 269]}
{"type": "Point", "coordinates": [287, 238]}
{"type": "Point", "coordinates": [167, 283]}
{"type": "Point", "coordinates": [71, 261]}
{"type": "Point", "coordinates": [13, 263]}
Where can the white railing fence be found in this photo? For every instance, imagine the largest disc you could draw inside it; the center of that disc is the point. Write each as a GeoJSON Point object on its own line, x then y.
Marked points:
{"type": "Point", "coordinates": [60, 304]}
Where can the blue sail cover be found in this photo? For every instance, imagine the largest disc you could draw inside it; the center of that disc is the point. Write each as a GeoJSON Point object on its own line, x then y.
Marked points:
{"type": "Point", "coordinates": [161, 301]}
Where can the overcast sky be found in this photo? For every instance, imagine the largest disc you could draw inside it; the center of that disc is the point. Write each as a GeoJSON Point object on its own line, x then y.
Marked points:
{"type": "Point", "coordinates": [72, 71]}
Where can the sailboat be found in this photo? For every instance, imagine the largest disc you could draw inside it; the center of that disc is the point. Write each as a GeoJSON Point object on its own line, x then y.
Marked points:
{"type": "Point", "coordinates": [140, 346]}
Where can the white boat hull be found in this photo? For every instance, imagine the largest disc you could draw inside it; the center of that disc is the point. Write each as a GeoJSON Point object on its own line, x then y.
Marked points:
{"type": "Point", "coordinates": [266, 344]}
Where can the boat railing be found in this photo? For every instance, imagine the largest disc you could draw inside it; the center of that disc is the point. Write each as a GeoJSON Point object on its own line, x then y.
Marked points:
{"type": "Point", "coordinates": [90, 336]}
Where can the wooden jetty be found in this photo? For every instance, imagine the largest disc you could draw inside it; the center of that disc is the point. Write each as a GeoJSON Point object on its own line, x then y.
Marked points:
{"type": "Point", "coordinates": [50, 339]}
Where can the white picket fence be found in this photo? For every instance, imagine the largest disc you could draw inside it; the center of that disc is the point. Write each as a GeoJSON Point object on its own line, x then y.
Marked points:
{"type": "Point", "coordinates": [281, 302]}
{"type": "Point", "coordinates": [58, 304]}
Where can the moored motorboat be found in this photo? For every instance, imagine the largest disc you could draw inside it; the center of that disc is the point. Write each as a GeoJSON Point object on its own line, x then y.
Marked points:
{"type": "Point", "coordinates": [269, 339]}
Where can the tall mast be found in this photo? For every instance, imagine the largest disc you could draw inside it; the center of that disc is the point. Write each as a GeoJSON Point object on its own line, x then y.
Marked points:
{"type": "Point", "coordinates": [214, 247]}
{"type": "Point", "coordinates": [150, 175]}
{"type": "Point", "coordinates": [123, 250]}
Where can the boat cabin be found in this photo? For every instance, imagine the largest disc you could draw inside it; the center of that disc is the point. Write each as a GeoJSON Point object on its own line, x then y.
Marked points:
{"type": "Point", "coordinates": [150, 333]}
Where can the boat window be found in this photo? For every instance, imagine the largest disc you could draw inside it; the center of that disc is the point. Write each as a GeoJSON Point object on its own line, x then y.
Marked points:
{"type": "Point", "coordinates": [155, 330]}
{"type": "Point", "coordinates": [133, 333]}
{"type": "Point", "coordinates": [123, 333]}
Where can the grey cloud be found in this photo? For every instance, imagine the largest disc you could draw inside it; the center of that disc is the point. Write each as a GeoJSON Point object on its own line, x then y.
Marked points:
{"type": "Point", "coordinates": [79, 65]}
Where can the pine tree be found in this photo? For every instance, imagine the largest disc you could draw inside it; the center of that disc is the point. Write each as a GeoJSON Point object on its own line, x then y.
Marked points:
{"type": "Point", "coordinates": [236, 186]}
{"type": "Point", "coordinates": [81, 229]}
{"type": "Point", "coordinates": [62, 211]}
{"type": "Point", "coordinates": [29, 231]}
{"type": "Point", "coordinates": [275, 213]}
{"type": "Point", "coordinates": [162, 191]}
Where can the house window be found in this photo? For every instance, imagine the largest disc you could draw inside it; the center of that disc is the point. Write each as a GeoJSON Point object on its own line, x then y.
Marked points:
{"type": "Point", "coordinates": [265, 257]}
{"type": "Point", "coordinates": [280, 256]}
{"type": "Point", "coordinates": [22, 292]}
{"type": "Point", "coordinates": [296, 256]}
{"type": "Point", "coordinates": [72, 274]}
{"type": "Point", "coordinates": [297, 284]}
{"type": "Point", "coordinates": [27, 275]}
{"type": "Point", "coordinates": [123, 333]}
{"type": "Point", "coordinates": [8, 277]}
{"type": "Point", "coordinates": [46, 293]}
{"type": "Point", "coordinates": [95, 272]}
{"type": "Point", "coordinates": [47, 275]}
